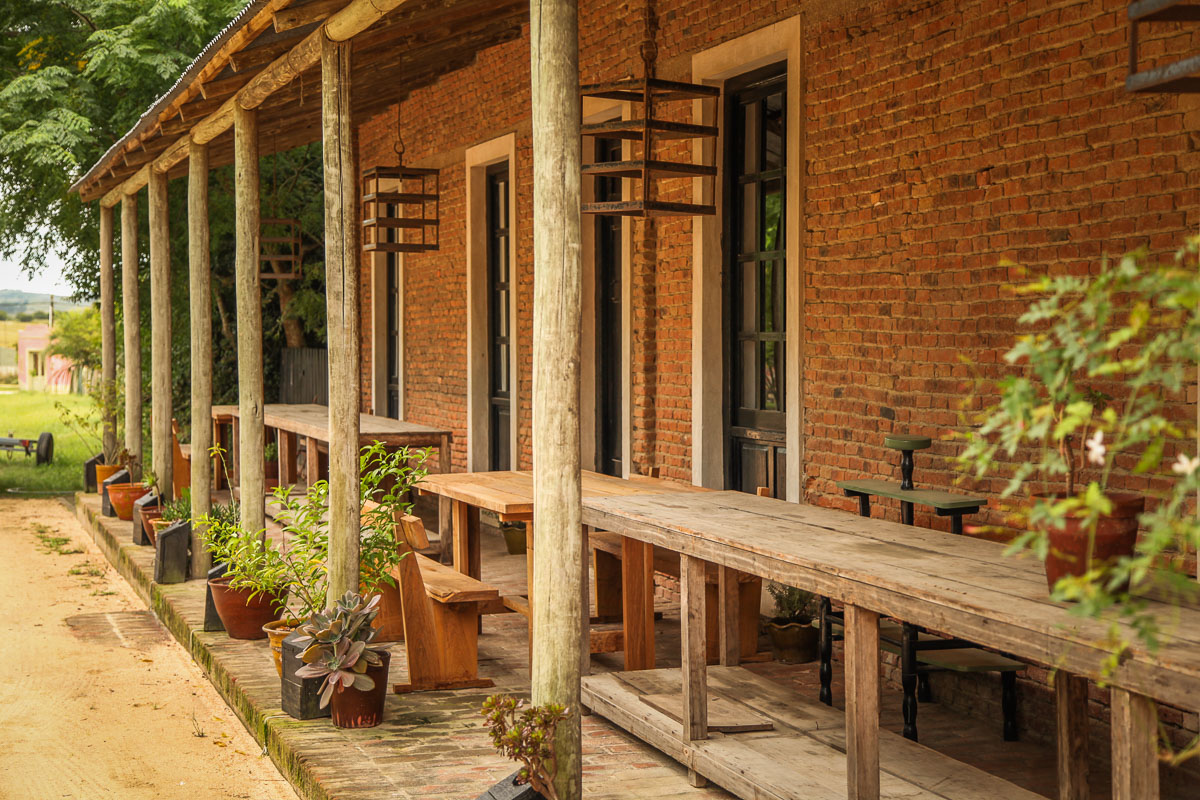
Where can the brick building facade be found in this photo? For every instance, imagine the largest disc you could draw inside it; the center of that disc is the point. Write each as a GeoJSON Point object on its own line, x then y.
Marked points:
{"type": "Point", "coordinates": [937, 141]}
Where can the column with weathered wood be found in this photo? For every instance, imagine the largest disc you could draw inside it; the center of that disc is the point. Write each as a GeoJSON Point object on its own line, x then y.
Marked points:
{"type": "Point", "coordinates": [558, 555]}
{"type": "Point", "coordinates": [200, 299]}
{"type": "Point", "coordinates": [161, 449]}
{"type": "Point", "coordinates": [862, 703]}
{"type": "Point", "coordinates": [251, 436]}
{"type": "Point", "coordinates": [131, 320]}
{"type": "Point", "coordinates": [108, 330]}
{"type": "Point", "coordinates": [341, 297]}
{"type": "Point", "coordinates": [1071, 696]}
{"type": "Point", "coordinates": [1134, 746]}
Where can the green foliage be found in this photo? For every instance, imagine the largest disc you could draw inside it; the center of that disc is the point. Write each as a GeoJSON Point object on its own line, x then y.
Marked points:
{"type": "Point", "coordinates": [254, 561]}
{"type": "Point", "coordinates": [525, 733]}
{"type": "Point", "coordinates": [271, 452]}
{"type": "Point", "coordinates": [88, 423]}
{"type": "Point", "coordinates": [1095, 378]}
{"type": "Point", "coordinates": [792, 604]}
{"type": "Point", "coordinates": [341, 649]}
{"type": "Point", "coordinates": [178, 509]}
{"type": "Point", "coordinates": [76, 337]}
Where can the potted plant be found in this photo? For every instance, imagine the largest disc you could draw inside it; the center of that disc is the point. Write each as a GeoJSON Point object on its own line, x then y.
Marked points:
{"type": "Point", "coordinates": [514, 537]}
{"type": "Point", "coordinates": [271, 461]}
{"type": "Point", "coordinates": [1091, 408]}
{"type": "Point", "coordinates": [341, 650]}
{"type": "Point", "coordinates": [124, 495]}
{"type": "Point", "coordinates": [524, 733]}
{"type": "Point", "coordinates": [254, 589]}
{"type": "Point", "coordinates": [107, 403]}
{"type": "Point", "coordinates": [168, 514]}
{"type": "Point", "coordinates": [793, 637]}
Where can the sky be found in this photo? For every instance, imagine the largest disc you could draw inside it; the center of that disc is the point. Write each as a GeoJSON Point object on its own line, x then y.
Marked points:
{"type": "Point", "coordinates": [50, 281]}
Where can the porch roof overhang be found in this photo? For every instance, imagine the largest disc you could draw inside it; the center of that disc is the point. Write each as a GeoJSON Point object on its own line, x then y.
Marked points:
{"type": "Point", "coordinates": [268, 58]}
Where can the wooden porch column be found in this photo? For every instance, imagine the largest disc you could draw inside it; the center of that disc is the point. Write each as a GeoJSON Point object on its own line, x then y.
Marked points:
{"type": "Point", "coordinates": [341, 297]}
{"type": "Point", "coordinates": [108, 329]}
{"type": "Point", "coordinates": [558, 529]}
{"type": "Point", "coordinates": [251, 474]}
{"type": "Point", "coordinates": [131, 321]}
{"type": "Point", "coordinates": [200, 295]}
{"type": "Point", "coordinates": [161, 448]}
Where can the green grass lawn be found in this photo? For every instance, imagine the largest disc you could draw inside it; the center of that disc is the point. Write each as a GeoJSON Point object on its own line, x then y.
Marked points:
{"type": "Point", "coordinates": [27, 414]}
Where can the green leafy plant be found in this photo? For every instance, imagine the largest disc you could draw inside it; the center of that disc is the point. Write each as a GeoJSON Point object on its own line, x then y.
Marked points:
{"type": "Point", "coordinates": [1098, 378]}
{"type": "Point", "coordinates": [271, 452]}
{"type": "Point", "coordinates": [107, 401]}
{"type": "Point", "coordinates": [178, 509]}
{"type": "Point", "coordinates": [340, 647]}
{"type": "Point", "coordinates": [792, 604]}
{"type": "Point", "coordinates": [388, 479]}
{"type": "Point", "coordinates": [525, 733]}
{"type": "Point", "coordinates": [254, 561]}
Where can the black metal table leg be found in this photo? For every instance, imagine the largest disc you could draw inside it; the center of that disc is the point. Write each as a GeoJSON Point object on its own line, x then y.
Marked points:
{"type": "Point", "coordinates": [908, 678]}
{"type": "Point", "coordinates": [825, 647]}
{"type": "Point", "coordinates": [1008, 704]}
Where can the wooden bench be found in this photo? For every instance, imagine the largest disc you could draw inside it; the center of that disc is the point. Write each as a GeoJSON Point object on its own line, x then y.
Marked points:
{"type": "Point", "coordinates": [607, 549]}
{"type": "Point", "coordinates": [920, 652]}
{"type": "Point", "coordinates": [181, 462]}
{"type": "Point", "coordinates": [440, 608]}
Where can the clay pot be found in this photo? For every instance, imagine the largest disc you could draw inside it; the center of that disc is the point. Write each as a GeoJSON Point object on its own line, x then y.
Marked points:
{"type": "Point", "coordinates": [159, 525]}
{"type": "Point", "coordinates": [104, 472]}
{"type": "Point", "coordinates": [149, 515]}
{"type": "Point", "coordinates": [390, 619]}
{"type": "Point", "coordinates": [276, 632]}
{"type": "Point", "coordinates": [242, 617]}
{"type": "Point", "coordinates": [793, 642]}
{"type": "Point", "coordinates": [352, 708]}
{"type": "Point", "coordinates": [1116, 536]}
{"type": "Point", "coordinates": [514, 540]}
{"type": "Point", "coordinates": [123, 496]}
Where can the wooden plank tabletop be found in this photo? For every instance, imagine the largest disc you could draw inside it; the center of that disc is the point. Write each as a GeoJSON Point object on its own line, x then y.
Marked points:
{"type": "Point", "coordinates": [953, 584]}
{"type": "Point", "coordinates": [312, 420]}
{"type": "Point", "coordinates": [509, 493]}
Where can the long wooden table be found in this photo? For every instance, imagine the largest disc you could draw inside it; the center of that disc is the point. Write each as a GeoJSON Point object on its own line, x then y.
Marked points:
{"type": "Point", "coordinates": [958, 586]}
{"type": "Point", "coordinates": [310, 421]}
{"type": "Point", "coordinates": [509, 495]}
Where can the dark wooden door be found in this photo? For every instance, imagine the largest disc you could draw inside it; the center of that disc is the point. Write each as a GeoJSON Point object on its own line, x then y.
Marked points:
{"type": "Point", "coordinates": [755, 280]}
{"type": "Point", "coordinates": [608, 318]}
{"type": "Point", "coordinates": [499, 322]}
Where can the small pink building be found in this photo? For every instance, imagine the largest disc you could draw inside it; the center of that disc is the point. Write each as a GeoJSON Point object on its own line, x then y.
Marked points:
{"type": "Point", "coordinates": [36, 369]}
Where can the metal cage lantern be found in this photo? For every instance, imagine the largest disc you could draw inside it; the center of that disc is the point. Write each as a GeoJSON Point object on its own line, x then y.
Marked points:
{"type": "Point", "coordinates": [400, 209]}
{"type": "Point", "coordinates": [279, 243]}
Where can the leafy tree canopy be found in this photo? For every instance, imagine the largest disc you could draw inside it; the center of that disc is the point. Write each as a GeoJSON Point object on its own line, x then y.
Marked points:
{"type": "Point", "coordinates": [76, 337]}
{"type": "Point", "coordinates": [75, 75]}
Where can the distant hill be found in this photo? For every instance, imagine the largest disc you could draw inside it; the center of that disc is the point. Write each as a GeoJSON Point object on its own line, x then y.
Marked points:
{"type": "Point", "coordinates": [13, 302]}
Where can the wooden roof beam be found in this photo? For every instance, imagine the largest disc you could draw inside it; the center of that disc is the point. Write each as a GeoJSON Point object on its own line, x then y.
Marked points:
{"type": "Point", "coordinates": [287, 19]}
{"type": "Point", "coordinates": [265, 53]}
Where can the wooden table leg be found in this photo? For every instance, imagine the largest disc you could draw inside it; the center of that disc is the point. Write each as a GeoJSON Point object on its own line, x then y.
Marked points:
{"type": "Point", "coordinates": [608, 586]}
{"type": "Point", "coordinates": [288, 445]}
{"type": "Point", "coordinates": [729, 627]}
{"type": "Point", "coordinates": [445, 552]}
{"type": "Point", "coordinates": [1071, 696]}
{"type": "Point", "coordinates": [462, 560]}
{"type": "Point", "coordinates": [694, 655]}
{"type": "Point", "coordinates": [312, 461]}
{"type": "Point", "coordinates": [474, 556]}
{"type": "Point", "coordinates": [1134, 746]}
{"type": "Point", "coordinates": [637, 587]}
{"type": "Point", "coordinates": [862, 703]}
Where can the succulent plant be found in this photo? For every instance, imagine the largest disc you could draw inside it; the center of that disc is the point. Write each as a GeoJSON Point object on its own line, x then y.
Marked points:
{"type": "Point", "coordinates": [525, 733]}
{"type": "Point", "coordinates": [340, 645]}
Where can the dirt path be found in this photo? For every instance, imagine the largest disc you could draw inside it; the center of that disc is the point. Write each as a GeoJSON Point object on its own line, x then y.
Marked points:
{"type": "Point", "coordinates": [96, 700]}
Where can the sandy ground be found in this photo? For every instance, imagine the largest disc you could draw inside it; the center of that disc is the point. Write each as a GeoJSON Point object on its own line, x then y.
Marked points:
{"type": "Point", "coordinates": [96, 700]}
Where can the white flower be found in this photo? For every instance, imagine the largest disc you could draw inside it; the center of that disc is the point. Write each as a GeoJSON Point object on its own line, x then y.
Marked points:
{"type": "Point", "coordinates": [1096, 448]}
{"type": "Point", "coordinates": [1184, 465]}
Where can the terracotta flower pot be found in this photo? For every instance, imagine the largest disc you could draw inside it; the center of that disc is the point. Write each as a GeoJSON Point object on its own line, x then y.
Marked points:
{"type": "Point", "coordinates": [276, 632]}
{"type": "Point", "coordinates": [104, 472]}
{"type": "Point", "coordinates": [242, 617]}
{"type": "Point", "coordinates": [159, 525]}
{"type": "Point", "coordinates": [793, 642]}
{"type": "Point", "coordinates": [1116, 536]}
{"type": "Point", "coordinates": [123, 496]}
{"type": "Point", "coordinates": [150, 515]}
{"type": "Point", "coordinates": [352, 708]}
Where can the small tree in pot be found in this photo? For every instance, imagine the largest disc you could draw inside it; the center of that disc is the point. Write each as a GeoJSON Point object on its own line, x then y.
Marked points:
{"type": "Point", "coordinates": [524, 733]}
{"type": "Point", "coordinates": [340, 649]}
{"type": "Point", "coordinates": [1093, 403]}
{"type": "Point", "coordinates": [793, 637]}
{"type": "Point", "coordinates": [255, 586]}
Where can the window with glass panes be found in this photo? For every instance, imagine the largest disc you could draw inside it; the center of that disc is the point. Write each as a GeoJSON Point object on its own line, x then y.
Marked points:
{"type": "Point", "coordinates": [499, 324]}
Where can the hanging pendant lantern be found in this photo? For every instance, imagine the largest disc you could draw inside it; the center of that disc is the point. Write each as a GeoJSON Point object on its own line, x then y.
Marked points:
{"type": "Point", "coordinates": [279, 243]}
{"type": "Point", "coordinates": [651, 129]}
{"type": "Point", "coordinates": [400, 209]}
